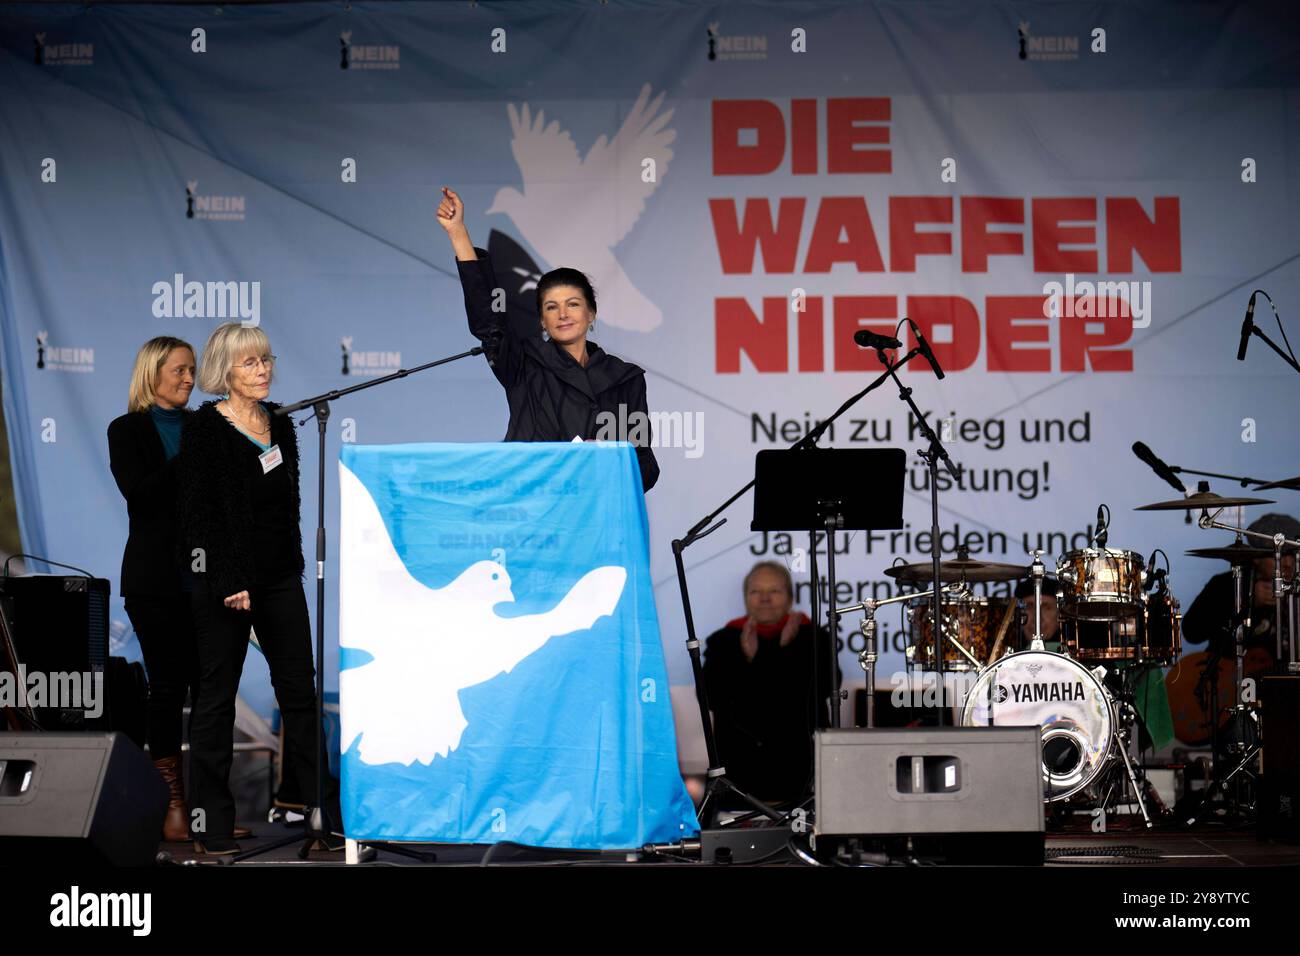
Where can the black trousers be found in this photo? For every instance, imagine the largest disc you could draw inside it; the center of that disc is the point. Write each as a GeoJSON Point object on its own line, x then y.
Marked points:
{"type": "Point", "coordinates": [279, 616]}
{"type": "Point", "coordinates": [164, 626]}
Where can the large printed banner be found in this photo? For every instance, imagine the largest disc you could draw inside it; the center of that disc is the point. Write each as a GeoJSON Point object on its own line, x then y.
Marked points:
{"type": "Point", "coordinates": [1072, 201]}
{"type": "Point", "coordinates": [514, 692]}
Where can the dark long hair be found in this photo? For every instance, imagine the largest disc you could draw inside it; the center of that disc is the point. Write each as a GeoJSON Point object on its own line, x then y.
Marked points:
{"type": "Point", "coordinates": [564, 276]}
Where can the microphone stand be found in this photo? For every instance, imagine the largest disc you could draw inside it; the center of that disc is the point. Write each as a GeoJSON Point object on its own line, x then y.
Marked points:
{"type": "Point", "coordinates": [932, 455]}
{"type": "Point", "coordinates": [1241, 479]}
{"type": "Point", "coordinates": [717, 773]}
{"type": "Point", "coordinates": [317, 822]}
{"type": "Point", "coordinates": [1256, 330]}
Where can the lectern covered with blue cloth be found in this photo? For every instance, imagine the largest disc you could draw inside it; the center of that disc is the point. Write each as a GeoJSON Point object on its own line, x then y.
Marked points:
{"type": "Point", "coordinates": [501, 672]}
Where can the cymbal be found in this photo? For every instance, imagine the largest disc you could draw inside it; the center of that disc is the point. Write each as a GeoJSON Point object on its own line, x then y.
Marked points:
{"type": "Point", "coordinates": [958, 569]}
{"type": "Point", "coordinates": [1292, 484]}
{"type": "Point", "coordinates": [1202, 499]}
{"type": "Point", "coordinates": [1235, 554]}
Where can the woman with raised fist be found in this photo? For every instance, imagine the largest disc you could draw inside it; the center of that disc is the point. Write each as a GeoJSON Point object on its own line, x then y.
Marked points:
{"type": "Point", "coordinates": [559, 384]}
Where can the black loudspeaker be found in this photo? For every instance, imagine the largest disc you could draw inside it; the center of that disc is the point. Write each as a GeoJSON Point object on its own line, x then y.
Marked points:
{"type": "Point", "coordinates": [1279, 782]}
{"type": "Point", "coordinates": [60, 626]}
{"type": "Point", "coordinates": [969, 794]}
{"type": "Point", "coordinates": [78, 798]}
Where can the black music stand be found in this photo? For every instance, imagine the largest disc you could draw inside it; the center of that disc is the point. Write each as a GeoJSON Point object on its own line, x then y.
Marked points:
{"type": "Point", "coordinates": [821, 491]}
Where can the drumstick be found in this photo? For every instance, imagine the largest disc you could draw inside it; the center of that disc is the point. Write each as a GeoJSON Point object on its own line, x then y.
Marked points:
{"type": "Point", "coordinates": [1002, 630]}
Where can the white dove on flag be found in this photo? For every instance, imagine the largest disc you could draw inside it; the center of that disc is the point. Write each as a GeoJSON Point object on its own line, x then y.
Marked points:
{"type": "Point", "coordinates": [575, 211]}
{"type": "Point", "coordinates": [428, 644]}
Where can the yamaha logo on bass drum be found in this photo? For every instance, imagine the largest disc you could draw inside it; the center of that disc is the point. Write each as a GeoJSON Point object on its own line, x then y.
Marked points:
{"type": "Point", "coordinates": [1032, 693]}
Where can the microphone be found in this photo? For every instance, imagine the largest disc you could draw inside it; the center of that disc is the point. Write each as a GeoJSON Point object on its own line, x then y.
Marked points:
{"type": "Point", "coordinates": [926, 353]}
{"type": "Point", "coordinates": [1103, 529]}
{"type": "Point", "coordinates": [1158, 466]}
{"type": "Point", "coordinates": [873, 340]}
{"type": "Point", "coordinates": [1152, 577]}
{"type": "Point", "coordinates": [1246, 326]}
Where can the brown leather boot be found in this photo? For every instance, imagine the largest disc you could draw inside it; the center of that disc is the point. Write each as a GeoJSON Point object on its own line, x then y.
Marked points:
{"type": "Point", "coordinates": [176, 825]}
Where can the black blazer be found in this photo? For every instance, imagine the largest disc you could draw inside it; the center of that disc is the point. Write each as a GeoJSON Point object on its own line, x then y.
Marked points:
{"type": "Point", "coordinates": [551, 396]}
{"type": "Point", "coordinates": [215, 488]}
{"type": "Point", "coordinates": [147, 481]}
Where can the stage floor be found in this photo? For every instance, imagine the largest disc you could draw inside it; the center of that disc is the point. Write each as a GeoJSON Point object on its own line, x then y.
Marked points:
{"type": "Point", "coordinates": [1121, 847]}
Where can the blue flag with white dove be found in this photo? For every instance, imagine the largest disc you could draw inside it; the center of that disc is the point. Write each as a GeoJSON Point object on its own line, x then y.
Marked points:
{"type": "Point", "coordinates": [501, 671]}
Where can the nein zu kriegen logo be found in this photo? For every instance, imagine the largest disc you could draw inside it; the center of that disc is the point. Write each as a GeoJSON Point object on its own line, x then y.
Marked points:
{"type": "Point", "coordinates": [735, 46]}
{"type": "Point", "coordinates": [367, 56]}
{"type": "Point", "coordinates": [1046, 47]}
{"type": "Point", "coordinates": [213, 207]}
{"type": "Point", "coordinates": [62, 358]}
{"type": "Point", "coordinates": [61, 54]}
{"type": "Point", "coordinates": [368, 362]}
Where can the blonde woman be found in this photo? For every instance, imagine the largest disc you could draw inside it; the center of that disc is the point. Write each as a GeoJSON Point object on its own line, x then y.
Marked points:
{"type": "Point", "coordinates": [239, 507]}
{"type": "Point", "coordinates": [142, 449]}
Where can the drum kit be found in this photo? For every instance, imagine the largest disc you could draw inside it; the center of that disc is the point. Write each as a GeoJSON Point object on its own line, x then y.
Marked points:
{"type": "Point", "coordinates": [1117, 616]}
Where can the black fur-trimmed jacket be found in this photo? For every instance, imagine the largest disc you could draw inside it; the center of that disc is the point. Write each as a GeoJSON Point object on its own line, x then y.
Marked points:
{"type": "Point", "coordinates": [217, 468]}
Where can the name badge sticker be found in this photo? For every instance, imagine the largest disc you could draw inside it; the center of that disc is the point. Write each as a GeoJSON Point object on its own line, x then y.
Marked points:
{"type": "Point", "coordinates": [271, 459]}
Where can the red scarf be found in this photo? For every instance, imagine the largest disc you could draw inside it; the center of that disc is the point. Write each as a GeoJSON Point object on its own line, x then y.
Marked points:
{"type": "Point", "coordinates": [771, 630]}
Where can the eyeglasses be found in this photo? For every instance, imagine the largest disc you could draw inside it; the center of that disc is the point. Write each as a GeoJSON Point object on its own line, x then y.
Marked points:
{"type": "Point", "coordinates": [251, 364]}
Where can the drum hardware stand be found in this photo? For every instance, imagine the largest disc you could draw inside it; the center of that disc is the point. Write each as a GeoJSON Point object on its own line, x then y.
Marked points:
{"type": "Point", "coordinates": [1122, 739]}
{"type": "Point", "coordinates": [1241, 617]}
{"type": "Point", "coordinates": [1281, 587]}
{"type": "Point", "coordinates": [1217, 783]}
{"type": "Point", "coordinates": [717, 778]}
{"type": "Point", "coordinates": [867, 658]}
{"type": "Point", "coordinates": [1036, 571]}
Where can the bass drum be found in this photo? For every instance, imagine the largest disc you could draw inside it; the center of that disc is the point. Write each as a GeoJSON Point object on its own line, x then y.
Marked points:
{"type": "Point", "coordinates": [1064, 699]}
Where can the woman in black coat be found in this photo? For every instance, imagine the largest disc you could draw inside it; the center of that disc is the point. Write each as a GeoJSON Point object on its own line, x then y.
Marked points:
{"type": "Point", "coordinates": [239, 504]}
{"type": "Point", "coordinates": [142, 448]}
{"type": "Point", "coordinates": [559, 385]}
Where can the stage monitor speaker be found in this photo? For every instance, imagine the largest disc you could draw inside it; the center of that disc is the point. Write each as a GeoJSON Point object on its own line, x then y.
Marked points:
{"type": "Point", "coordinates": [1279, 763]}
{"type": "Point", "coordinates": [1279, 699]}
{"type": "Point", "coordinates": [956, 780]}
{"type": "Point", "coordinates": [60, 626]}
{"type": "Point", "coordinates": [78, 798]}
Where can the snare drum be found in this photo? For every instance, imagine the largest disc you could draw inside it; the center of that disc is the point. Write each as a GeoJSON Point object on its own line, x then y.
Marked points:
{"type": "Point", "coordinates": [972, 621]}
{"type": "Point", "coordinates": [1058, 695]}
{"type": "Point", "coordinates": [1100, 584]}
{"type": "Point", "coordinates": [1164, 629]}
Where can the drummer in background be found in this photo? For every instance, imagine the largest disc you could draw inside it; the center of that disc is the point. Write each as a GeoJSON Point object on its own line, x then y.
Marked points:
{"type": "Point", "coordinates": [759, 674]}
{"type": "Point", "coordinates": [1048, 610]}
{"type": "Point", "coordinates": [1209, 618]}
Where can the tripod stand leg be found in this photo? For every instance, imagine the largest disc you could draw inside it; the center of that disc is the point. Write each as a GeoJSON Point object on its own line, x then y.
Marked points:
{"type": "Point", "coordinates": [721, 784]}
{"type": "Point", "coordinates": [1132, 779]}
{"type": "Point", "coordinates": [1216, 783]}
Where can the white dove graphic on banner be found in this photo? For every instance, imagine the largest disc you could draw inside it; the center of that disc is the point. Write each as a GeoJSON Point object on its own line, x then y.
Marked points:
{"type": "Point", "coordinates": [428, 644]}
{"type": "Point", "coordinates": [598, 199]}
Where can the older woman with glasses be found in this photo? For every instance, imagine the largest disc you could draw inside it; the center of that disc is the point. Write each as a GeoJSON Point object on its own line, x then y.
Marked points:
{"type": "Point", "coordinates": [239, 504]}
